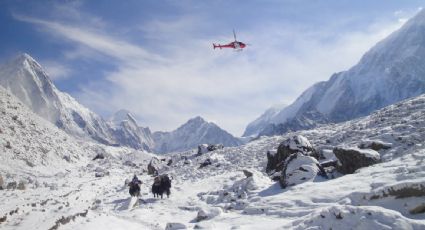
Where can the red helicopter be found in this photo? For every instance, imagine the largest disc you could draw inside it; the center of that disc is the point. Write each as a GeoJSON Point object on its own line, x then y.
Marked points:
{"type": "Point", "coordinates": [238, 46]}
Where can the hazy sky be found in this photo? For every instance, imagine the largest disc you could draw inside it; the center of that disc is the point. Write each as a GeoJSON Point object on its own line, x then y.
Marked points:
{"type": "Point", "coordinates": [155, 58]}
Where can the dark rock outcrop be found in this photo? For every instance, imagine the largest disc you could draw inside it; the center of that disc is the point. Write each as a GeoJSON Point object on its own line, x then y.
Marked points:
{"type": "Point", "coordinates": [352, 159]}
{"type": "Point", "coordinates": [291, 145]}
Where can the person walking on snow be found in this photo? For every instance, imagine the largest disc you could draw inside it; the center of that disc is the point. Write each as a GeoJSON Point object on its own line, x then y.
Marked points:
{"type": "Point", "coordinates": [135, 186]}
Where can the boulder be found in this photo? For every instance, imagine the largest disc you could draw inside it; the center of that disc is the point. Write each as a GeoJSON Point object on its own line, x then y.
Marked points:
{"type": "Point", "coordinates": [1, 183]}
{"type": "Point", "coordinates": [207, 214]}
{"type": "Point", "coordinates": [101, 174]}
{"type": "Point", "coordinates": [153, 166]}
{"type": "Point", "coordinates": [99, 156]}
{"type": "Point", "coordinates": [205, 163]}
{"type": "Point", "coordinates": [204, 148]}
{"type": "Point", "coordinates": [298, 143]}
{"type": "Point", "coordinates": [12, 185]}
{"type": "Point", "coordinates": [247, 173]}
{"type": "Point", "coordinates": [21, 186]}
{"type": "Point", "coordinates": [130, 164]}
{"type": "Point", "coordinates": [175, 226]}
{"type": "Point", "coordinates": [299, 168]}
{"type": "Point", "coordinates": [375, 145]}
{"type": "Point", "coordinates": [351, 159]}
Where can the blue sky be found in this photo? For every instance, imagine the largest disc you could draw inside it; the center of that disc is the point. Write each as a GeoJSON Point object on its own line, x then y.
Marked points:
{"type": "Point", "coordinates": [155, 58]}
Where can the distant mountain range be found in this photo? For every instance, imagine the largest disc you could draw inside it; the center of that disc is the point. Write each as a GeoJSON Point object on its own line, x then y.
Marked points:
{"type": "Point", "coordinates": [27, 80]}
{"type": "Point", "coordinates": [191, 134]}
{"type": "Point", "coordinates": [393, 70]}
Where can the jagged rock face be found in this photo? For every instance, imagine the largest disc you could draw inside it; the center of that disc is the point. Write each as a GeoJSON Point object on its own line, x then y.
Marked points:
{"type": "Point", "coordinates": [275, 162]}
{"type": "Point", "coordinates": [194, 132]}
{"type": "Point", "coordinates": [389, 72]}
{"type": "Point", "coordinates": [352, 159]}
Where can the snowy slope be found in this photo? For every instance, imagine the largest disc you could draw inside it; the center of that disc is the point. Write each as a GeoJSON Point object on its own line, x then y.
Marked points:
{"type": "Point", "coordinates": [188, 136]}
{"type": "Point", "coordinates": [229, 200]}
{"type": "Point", "coordinates": [29, 143]}
{"type": "Point", "coordinates": [391, 71]}
{"type": "Point", "coordinates": [128, 133]}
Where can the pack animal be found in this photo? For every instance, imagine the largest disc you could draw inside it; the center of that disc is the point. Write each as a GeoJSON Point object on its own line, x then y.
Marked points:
{"type": "Point", "coordinates": [161, 185]}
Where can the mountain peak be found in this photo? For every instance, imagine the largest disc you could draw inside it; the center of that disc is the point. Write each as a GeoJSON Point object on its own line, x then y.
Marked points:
{"type": "Point", "coordinates": [122, 115]}
{"type": "Point", "coordinates": [197, 119]}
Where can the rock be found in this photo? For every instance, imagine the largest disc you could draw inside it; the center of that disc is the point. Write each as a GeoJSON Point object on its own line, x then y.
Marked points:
{"type": "Point", "coordinates": [153, 166]}
{"type": "Point", "coordinates": [204, 148]}
{"type": "Point", "coordinates": [299, 168]}
{"type": "Point", "coordinates": [175, 226]}
{"type": "Point", "coordinates": [375, 145]}
{"type": "Point", "coordinates": [352, 159]}
{"type": "Point", "coordinates": [247, 173]}
{"type": "Point", "coordinates": [418, 209]}
{"type": "Point", "coordinates": [275, 160]}
{"type": "Point", "coordinates": [205, 163]}
{"type": "Point", "coordinates": [1, 183]}
{"type": "Point", "coordinates": [12, 185]}
{"type": "Point", "coordinates": [99, 156]}
{"type": "Point", "coordinates": [101, 174]}
{"type": "Point", "coordinates": [206, 214]}
{"type": "Point", "coordinates": [215, 147]}
{"type": "Point", "coordinates": [67, 158]}
{"type": "Point", "coordinates": [130, 164]}
{"type": "Point", "coordinates": [21, 186]}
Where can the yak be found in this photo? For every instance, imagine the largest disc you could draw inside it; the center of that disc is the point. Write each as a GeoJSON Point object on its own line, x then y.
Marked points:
{"type": "Point", "coordinates": [161, 185]}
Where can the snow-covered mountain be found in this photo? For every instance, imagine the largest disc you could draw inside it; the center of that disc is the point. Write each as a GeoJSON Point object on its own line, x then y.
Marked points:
{"type": "Point", "coordinates": [128, 133]}
{"type": "Point", "coordinates": [27, 80]}
{"type": "Point", "coordinates": [391, 71]}
{"type": "Point", "coordinates": [188, 136]}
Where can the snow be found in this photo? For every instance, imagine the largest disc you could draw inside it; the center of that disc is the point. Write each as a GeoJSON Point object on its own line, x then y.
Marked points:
{"type": "Point", "coordinates": [221, 191]}
{"type": "Point", "coordinates": [62, 191]}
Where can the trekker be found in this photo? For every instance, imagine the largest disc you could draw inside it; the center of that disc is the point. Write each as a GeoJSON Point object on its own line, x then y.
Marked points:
{"type": "Point", "coordinates": [135, 186]}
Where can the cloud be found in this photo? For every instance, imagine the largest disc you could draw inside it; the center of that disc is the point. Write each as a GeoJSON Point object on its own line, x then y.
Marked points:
{"type": "Point", "coordinates": [56, 70]}
{"type": "Point", "coordinates": [181, 76]}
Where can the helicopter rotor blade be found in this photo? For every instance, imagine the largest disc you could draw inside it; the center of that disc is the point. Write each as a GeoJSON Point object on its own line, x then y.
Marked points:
{"type": "Point", "coordinates": [234, 34]}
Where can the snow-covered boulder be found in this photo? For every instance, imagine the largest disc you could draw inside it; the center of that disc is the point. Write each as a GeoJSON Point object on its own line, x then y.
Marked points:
{"type": "Point", "coordinates": [156, 166]}
{"type": "Point", "coordinates": [175, 226]}
{"type": "Point", "coordinates": [375, 145]}
{"type": "Point", "coordinates": [352, 159]}
{"type": "Point", "coordinates": [207, 214]}
{"type": "Point", "coordinates": [291, 145]}
{"type": "Point", "coordinates": [202, 148]}
{"type": "Point", "coordinates": [299, 168]}
{"type": "Point", "coordinates": [352, 217]}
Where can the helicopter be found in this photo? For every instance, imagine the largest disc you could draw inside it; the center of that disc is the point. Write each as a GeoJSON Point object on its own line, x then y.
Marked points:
{"type": "Point", "coordinates": [238, 46]}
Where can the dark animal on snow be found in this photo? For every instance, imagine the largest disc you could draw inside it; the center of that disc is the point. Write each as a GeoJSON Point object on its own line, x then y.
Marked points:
{"type": "Point", "coordinates": [161, 185]}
